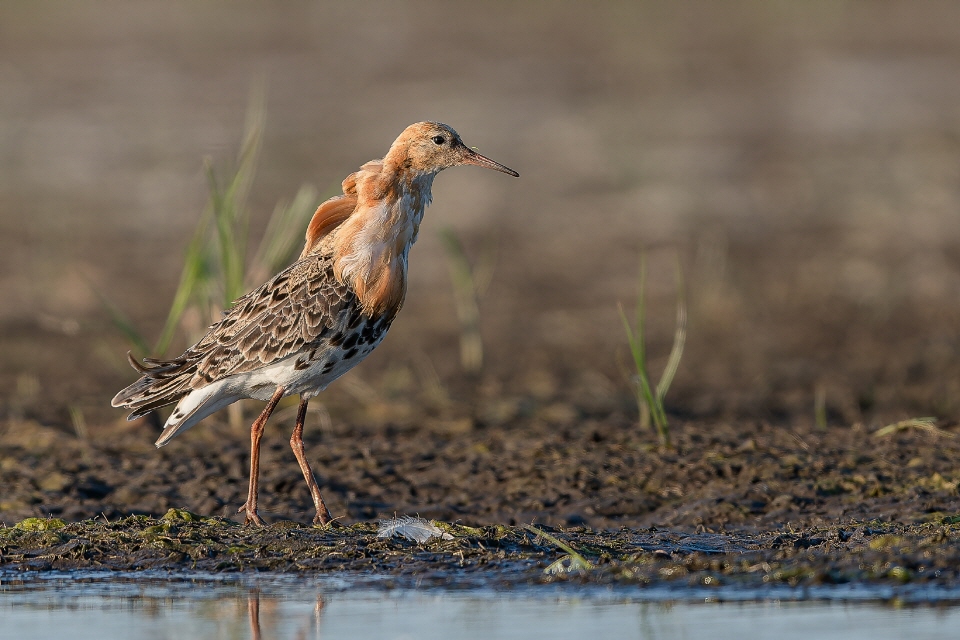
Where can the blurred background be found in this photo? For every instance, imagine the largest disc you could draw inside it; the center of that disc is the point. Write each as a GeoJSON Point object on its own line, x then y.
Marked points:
{"type": "Point", "coordinates": [802, 159]}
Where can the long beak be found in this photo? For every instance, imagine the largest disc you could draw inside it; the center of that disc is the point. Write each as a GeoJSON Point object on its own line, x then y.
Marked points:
{"type": "Point", "coordinates": [472, 157]}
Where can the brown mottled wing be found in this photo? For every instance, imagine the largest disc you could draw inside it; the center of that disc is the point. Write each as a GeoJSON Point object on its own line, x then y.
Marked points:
{"type": "Point", "coordinates": [300, 306]}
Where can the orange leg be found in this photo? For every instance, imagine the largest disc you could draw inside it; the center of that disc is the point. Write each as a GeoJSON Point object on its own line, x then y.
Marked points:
{"type": "Point", "coordinates": [256, 432]}
{"type": "Point", "coordinates": [296, 443]}
{"type": "Point", "coordinates": [253, 614]}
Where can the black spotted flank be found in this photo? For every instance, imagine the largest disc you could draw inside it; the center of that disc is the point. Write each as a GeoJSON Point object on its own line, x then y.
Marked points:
{"type": "Point", "coordinates": [349, 354]}
{"type": "Point", "coordinates": [369, 332]}
{"type": "Point", "coordinates": [351, 341]}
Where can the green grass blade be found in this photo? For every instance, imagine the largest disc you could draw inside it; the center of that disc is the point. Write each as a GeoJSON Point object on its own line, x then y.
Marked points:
{"type": "Point", "coordinates": [485, 266]}
{"type": "Point", "coordinates": [650, 399]}
{"type": "Point", "coordinates": [465, 295]}
{"type": "Point", "coordinates": [820, 407]}
{"type": "Point", "coordinates": [635, 340]}
{"type": "Point", "coordinates": [641, 311]}
{"type": "Point", "coordinates": [123, 323]}
{"type": "Point", "coordinates": [284, 234]}
{"type": "Point", "coordinates": [577, 560]}
{"type": "Point", "coordinates": [228, 252]}
{"type": "Point", "coordinates": [230, 206]}
{"type": "Point", "coordinates": [679, 340]}
{"type": "Point", "coordinates": [249, 157]}
{"type": "Point", "coordinates": [195, 271]}
{"type": "Point", "coordinates": [214, 268]}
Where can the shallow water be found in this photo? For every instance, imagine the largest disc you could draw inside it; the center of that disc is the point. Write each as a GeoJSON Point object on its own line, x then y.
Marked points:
{"type": "Point", "coordinates": [153, 606]}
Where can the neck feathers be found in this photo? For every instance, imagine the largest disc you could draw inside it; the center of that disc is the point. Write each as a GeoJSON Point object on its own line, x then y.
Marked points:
{"type": "Point", "coordinates": [370, 230]}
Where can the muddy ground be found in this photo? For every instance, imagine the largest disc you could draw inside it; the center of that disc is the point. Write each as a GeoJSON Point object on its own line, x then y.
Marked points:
{"type": "Point", "coordinates": [874, 554]}
{"type": "Point", "coordinates": [781, 505]}
{"type": "Point", "coordinates": [800, 160]}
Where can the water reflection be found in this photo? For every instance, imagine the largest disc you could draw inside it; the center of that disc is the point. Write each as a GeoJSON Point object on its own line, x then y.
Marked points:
{"type": "Point", "coordinates": [104, 606]}
{"type": "Point", "coordinates": [272, 613]}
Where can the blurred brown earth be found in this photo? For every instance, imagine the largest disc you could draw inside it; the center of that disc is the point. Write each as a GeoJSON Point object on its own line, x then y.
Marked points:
{"type": "Point", "coordinates": [801, 159]}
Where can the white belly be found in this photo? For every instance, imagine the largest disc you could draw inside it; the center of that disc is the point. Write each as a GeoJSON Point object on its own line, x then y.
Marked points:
{"type": "Point", "coordinates": [261, 384]}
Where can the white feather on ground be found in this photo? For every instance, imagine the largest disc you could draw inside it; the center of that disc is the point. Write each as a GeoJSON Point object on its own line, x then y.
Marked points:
{"type": "Point", "coordinates": [416, 529]}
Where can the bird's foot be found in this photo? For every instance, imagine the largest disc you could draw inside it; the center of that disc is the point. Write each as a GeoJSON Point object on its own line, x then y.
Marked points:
{"type": "Point", "coordinates": [252, 516]}
{"type": "Point", "coordinates": [324, 519]}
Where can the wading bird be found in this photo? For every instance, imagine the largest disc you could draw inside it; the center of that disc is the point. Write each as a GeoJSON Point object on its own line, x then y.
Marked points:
{"type": "Point", "coordinates": [319, 317]}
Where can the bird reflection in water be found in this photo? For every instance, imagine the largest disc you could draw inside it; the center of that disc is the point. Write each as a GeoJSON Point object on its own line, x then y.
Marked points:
{"type": "Point", "coordinates": [270, 605]}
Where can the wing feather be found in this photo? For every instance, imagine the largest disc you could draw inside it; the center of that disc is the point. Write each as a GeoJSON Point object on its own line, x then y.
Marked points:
{"type": "Point", "coordinates": [302, 308]}
{"type": "Point", "coordinates": [328, 217]}
{"type": "Point", "coordinates": [273, 322]}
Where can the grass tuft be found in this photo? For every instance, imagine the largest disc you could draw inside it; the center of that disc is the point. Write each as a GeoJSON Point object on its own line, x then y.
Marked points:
{"type": "Point", "coordinates": [469, 282]}
{"type": "Point", "coordinates": [649, 398]}
{"type": "Point", "coordinates": [820, 407]}
{"type": "Point", "coordinates": [216, 269]}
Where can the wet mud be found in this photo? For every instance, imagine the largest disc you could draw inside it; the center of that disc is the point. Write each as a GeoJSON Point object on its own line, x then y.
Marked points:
{"type": "Point", "coordinates": [779, 505]}
{"type": "Point", "coordinates": [491, 556]}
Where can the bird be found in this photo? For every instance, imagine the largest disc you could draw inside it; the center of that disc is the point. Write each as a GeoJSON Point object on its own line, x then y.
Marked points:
{"type": "Point", "coordinates": [319, 317]}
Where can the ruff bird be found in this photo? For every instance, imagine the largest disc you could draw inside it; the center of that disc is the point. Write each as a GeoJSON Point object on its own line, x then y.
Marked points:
{"type": "Point", "coordinates": [319, 317]}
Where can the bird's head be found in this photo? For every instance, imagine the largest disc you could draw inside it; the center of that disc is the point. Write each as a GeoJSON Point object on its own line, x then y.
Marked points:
{"type": "Point", "coordinates": [431, 147]}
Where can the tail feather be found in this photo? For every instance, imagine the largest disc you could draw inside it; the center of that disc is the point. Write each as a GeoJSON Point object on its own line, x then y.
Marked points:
{"type": "Point", "coordinates": [161, 383]}
{"type": "Point", "coordinates": [150, 391]}
{"type": "Point", "coordinates": [155, 368]}
{"type": "Point", "coordinates": [164, 382]}
{"type": "Point", "coordinates": [194, 407]}
{"type": "Point", "coordinates": [143, 410]}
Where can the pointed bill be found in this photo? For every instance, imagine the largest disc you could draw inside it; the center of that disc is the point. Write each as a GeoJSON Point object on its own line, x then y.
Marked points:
{"type": "Point", "coordinates": [472, 157]}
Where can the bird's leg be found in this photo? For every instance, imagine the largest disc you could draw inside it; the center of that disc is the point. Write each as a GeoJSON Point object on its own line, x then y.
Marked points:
{"type": "Point", "coordinates": [253, 614]}
{"type": "Point", "coordinates": [296, 443]}
{"type": "Point", "coordinates": [256, 431]}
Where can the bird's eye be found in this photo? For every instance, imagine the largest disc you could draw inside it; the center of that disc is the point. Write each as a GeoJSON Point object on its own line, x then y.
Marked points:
{"type": "Point", "coordinates": [438, 140]}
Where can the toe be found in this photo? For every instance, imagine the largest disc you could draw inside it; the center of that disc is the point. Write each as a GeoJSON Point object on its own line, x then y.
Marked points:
{"type": "Point", "coordinates": [324, 520]}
